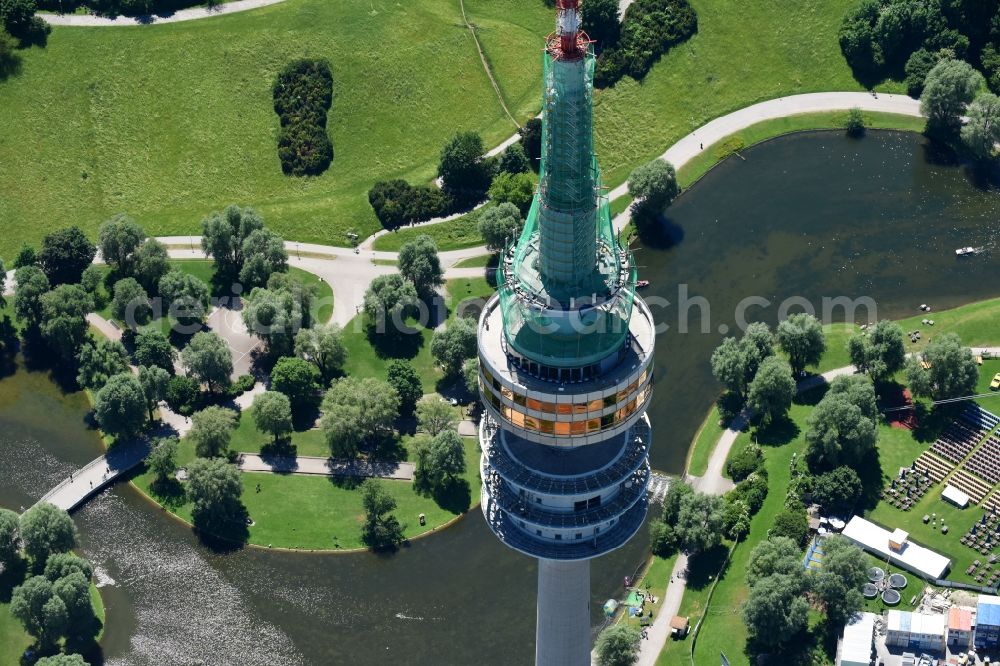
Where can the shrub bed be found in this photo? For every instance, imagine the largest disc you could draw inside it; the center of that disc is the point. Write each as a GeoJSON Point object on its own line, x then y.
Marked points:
{"type": "Point", "coordinates": [649, 29]}
{"type": "Point", "coordinates": [303, 93]}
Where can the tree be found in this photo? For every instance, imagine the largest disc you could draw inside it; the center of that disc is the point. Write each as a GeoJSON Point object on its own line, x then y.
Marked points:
{"type": "Point", "coordinates": [389, 300]}
{"type": "Point", "coordinates": [949, 87]}
{"type": "Point", "coordinates": [208, 359]}
{"type": "Point", "coordinates": [663, 540]}
{"type": "Point", "coordinates": [64, 564]}
{"type": "Point", "coordinates": [792, 523]}
{"type": "Point", "coordinates": [182, 394]}
{"type": "Point", "coordinates": [777, 555]}
{"type": "Point", "coordinates": [405, 380]}
{"type": "Point", "coordinates": [185, 296]}
{"type": "Point", "coordinates": [618, 645]}
{"type": "Point", "coordinates": [30, 285]}
{"type": "Point", "coordinates": [62, 660]}
{"type": "Point", "coordinates": [745, 462]}
{"type": "Point", "coordinates": [223, 235]}
{"type": "Point", "coordinates": [151, 264]}
{"type": "Point", "coordinates": [918, 66]}
{"type": "Point", "coordinates": [64, 324]}
{"type": "Point", "coordinates": [215, 490]}
{"type": "Point", "coordinates": [297, 379]}
{"type": "Point", "coordinates": [435, 416]}
{"type": "Point", "coordinates": [118, 239]}
{"type": "Point", "coordinates": [772, 389]}
{"type": "Point", "coordinates": [464, 173]}
{"type": "Point", "coordinates": [531, 139]}
{"type": "Point", "coordinates": [65, 254]}
{"type": "Point", "coordinates": [276, 317]}
{"type": "Point", "coordinates": [776, 612]}
{"type": "Point", "coordinates": [735, 362]}
{"type": "Point", "coordinates": [842, 429]}
{"type": "Point", "coordinates": [74, 590]}
{"type": "Point", "coordinates": [272, 413]}
{"type": "Point", "coordinates": [600, 21]}
{"type": "Point", "coordinates": [355, 411]}
{"type": "Point", "coordinates": [263, 255]}
{"type": "Point", "coordinates": [654, 185]}
{"type": "Point", "coordinates": [153, 348]}
{"type": "Point", "coordinates": [17, 16]}
{"type": "Point", "coordinates": [838, 490]}
{"type": "Point", "coordinates": [855, 124]}
{"type": "Point", "coordinates": [455, 343]}
{"type": "Point", "coordinates": [323, 346]}
{"type": "Point", "coordinates": [130, 304]}
{"type": "Point", "coordinates": [211, 430]}
{"type": "Point", "coordinates": [445, 458]}
{"type": "Point", "coordinates": [838, 583]}
{"type": "Point", "coordinates": [499, 225]}
{"type": "Point", "coordinates": [946, 370]}
{"type": "Point", "coordinates": [120, 406]}
{"type": "Point", "coordinates": [736, 519]}
{"type": "Point", "coordinates": [801, 337]}
{"type": "Point", "coordinates": [162, 458]}
{"type": "Point", "coordinates": [699, 523]}
{"type": "Point", "coordinates": [91, 280]}
{"type": "Point", "coordinates": [155, 382]}
{"type": "Point", "coordinates": [40, 611]}
{"type": "Point", "coordinates": [10, 538]}
{"type": "Point", "coordinates": [419, 263]}
{"type": "Point", "coordinates": [381, 530]}
{"type": "Point", "coordinates": [99, 361]}
{"type": "Point", "coordinates": [981, 134]}
{"type": "Point", "coordinates": [46, 530]}
{"type": "Point", "coordinates": [514, 188]}
{"type": "Point", "coordinates": [470, 372]}
{"type": "Point", "coordinates": [514, 160]}
{"type": "Point", "coordinates": [26, 256]}
{"type": "Point", "coordinates": [878, 351]}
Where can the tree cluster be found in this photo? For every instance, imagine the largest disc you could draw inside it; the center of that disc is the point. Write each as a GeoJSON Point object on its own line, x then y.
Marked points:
{"type": "Point", "coordinates": [397, 203]}
{"type": "Point", "coordinates": [649, 29]}
{"type": "Point", "coordinates": [242, 246]}
{"type": "Point", "coordinates": [843, 428]}
{"type": "Point", "coordinates": [945, 370]}
{"type": "Point", "coordinates": [691, 521]}
{"type": "Point", "coordinates": [302, 94]}
{"type": "Point", "coordinates": [279, 313]}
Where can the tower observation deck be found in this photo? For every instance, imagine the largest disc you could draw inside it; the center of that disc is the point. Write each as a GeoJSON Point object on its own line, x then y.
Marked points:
{"type": "Point", "coordinates": [565, 351]}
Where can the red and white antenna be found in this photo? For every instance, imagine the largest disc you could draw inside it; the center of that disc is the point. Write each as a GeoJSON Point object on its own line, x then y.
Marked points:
{"type": "Point", "coordinates": [569, 41]}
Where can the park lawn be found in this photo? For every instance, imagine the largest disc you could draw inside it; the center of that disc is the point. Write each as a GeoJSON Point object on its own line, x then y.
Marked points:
{"type": "Point", "coordinates": [247, 439]}
{"type": "Point", "coordinates": [991, 397]}
{"type": "Point", "coordinates": [704, 443]}
{"type": "Point", "coordinates": [314, 513]}
{"type": "Point", "coordinates": [701, 573]}
{"type": "Point", "coordinates": [482, 261]}
{"type": "Point", "coordinates": [456, 234]}
{"type": "Point", "coordinates": [87, 133]}
{"type": "Point", "coordinates": [701, 79]}
{"type": "Point", "coordinates": [724, 631]}
{"type": "Point", "coordinates": [769, 129]}
{"type": "Point", "coordinates": [364, 360]}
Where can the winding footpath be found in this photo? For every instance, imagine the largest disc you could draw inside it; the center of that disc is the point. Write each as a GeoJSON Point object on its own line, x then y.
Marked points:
{"type": "Point", "coordinates": [192, 14]}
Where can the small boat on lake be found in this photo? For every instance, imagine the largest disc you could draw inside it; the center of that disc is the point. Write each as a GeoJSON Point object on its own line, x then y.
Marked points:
{"type": "Point", "coordinates": [642, 284]}
{"type": "Point", "coordinates": [967, 251]}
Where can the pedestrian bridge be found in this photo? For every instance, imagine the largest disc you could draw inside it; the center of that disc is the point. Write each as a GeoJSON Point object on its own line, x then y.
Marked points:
{"type": "Point", "coordinates": [96, 475]}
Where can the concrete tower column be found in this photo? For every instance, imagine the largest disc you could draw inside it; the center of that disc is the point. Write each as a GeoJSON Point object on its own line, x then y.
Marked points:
{"type": "Point", "coordinates": [562, 628]}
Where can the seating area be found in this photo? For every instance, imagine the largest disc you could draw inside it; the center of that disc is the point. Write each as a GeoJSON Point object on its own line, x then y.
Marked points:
{"type": "Point", "coordinates": [985, 462]}
{"type": "Point", "coordinates": [983, 537]}
{"type": "Point", "coordinates": [934, 467]}
{"type": "Point", "coordinates": [978, 418]}
{"type": "Point", "coordinates": [984, 572]}
{"type": "Point", "coordinates": [908, 487]}
{"type": "Point", "coordinates": [957, 441]}
{"type": "Point", "coordinates": [974, 487]}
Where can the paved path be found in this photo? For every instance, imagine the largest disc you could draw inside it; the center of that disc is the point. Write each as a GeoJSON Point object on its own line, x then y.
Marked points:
{"type": "Point", "coordinates": [192, 14]}
{"type": "Point", "coordinates": [97, 474]}
{"type": "Point", "coordinates": [658, 634]}
{"type": "Point", "coordinates": [714, 482]}
{"type": "Point", "coordinates": [251, 462]}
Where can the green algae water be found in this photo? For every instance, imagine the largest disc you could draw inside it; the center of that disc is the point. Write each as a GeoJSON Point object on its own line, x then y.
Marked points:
{"type": "Point", "coordinates": [811, 215]}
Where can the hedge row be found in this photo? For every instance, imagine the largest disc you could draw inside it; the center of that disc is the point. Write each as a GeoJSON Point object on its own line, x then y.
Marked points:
{"type": "Point", "coordinates": [648, 30]}
{"type": "Point", "coordinates": [396, 202]}
{"type": "Point", "coordinates": [302, 94]}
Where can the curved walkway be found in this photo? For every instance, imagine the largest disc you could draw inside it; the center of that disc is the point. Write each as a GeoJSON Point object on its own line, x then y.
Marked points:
{"type": "Point", "coordinates": [191, 14]}
{"type": "Point", "coordinates": [90, 479]}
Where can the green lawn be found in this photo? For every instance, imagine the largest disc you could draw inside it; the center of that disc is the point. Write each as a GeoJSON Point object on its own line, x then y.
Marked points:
{"type": "Point", "coordinates": [455, 234]}
{"type": "Point", "coordinates": [364, 360]}
{"type": "Point", "coordinates": [247, 439]}
{"type": "Point", "coordinates": [769, 129]}
{"type": "Point", "coordinates": [482, 261]}
{"type": "Point", "coordinates": [314, 513]}
{"type": "Point", "coordinates": [169, 122]}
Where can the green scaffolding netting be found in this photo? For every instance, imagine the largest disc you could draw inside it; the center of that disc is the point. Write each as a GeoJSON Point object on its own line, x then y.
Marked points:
{"type": "Point", "coordinates": [570, 288]}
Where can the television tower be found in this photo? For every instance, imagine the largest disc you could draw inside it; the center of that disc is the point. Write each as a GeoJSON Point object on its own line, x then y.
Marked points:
{"type": "Point", "coordinates": [565, 351]}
